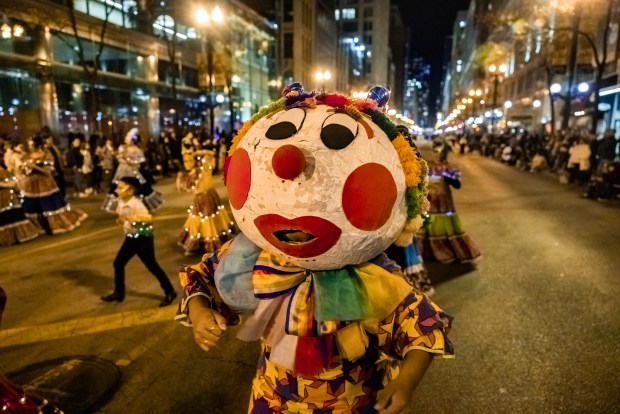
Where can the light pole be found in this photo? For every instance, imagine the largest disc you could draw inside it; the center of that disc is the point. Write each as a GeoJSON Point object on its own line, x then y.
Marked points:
{"type": "Point", "coordinates": [322, 76]}
{"type": "Point", "coordinates": [571, 65]}
{"type": "Point", "coordinates": [475, 94]}
{"type": "Point", "coordinates": [206, 18]}
{"type": "Point", "coordinates": [496, 72]}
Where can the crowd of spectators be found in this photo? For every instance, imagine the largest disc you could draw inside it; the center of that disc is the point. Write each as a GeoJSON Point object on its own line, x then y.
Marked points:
{"type": "Point", "coordinates": [88, 163]}
{"type": "Point", "coordinates": [577, 157]}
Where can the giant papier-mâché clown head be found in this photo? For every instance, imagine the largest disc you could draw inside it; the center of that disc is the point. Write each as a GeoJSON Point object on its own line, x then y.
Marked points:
{"type": "Point", "coordinates": [325, 180]}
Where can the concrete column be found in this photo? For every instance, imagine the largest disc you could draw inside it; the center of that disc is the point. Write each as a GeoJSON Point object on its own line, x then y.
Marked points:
{"type": "Point", "coordinates": [152, 111]}
{"type": "Point", "coordinates": [151, 68]}
{"type": "Point", "coordinates": [48, 105]}
{"type": "Point", "coordinates": [48, 100]}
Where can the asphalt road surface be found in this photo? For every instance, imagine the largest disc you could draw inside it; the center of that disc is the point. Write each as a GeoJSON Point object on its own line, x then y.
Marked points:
{"type": "Point", "coordinates": [536, 330]}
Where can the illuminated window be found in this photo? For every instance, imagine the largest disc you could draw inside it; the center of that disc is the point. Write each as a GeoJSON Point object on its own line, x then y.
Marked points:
{"type": "Point", "coordinates": [348, 14]}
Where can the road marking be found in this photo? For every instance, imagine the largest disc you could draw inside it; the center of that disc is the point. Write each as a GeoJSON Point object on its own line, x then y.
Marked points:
{"type": "Point", "coordinates": [77, 238]}
{"type": "Point", "coordinates": [38, 249]}
{"type": "Point", "coordinates": [84, 326]}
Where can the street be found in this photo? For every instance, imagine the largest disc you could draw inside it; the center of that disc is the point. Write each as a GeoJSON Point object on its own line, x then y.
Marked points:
{"type": "Point", "coordinates": [536, 325]}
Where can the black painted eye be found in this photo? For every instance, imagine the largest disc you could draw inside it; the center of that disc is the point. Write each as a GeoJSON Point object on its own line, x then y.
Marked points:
{"type": "Point", "coordinates": [338, 131]}
{"type": "Point", "coordinates": [287, 124]}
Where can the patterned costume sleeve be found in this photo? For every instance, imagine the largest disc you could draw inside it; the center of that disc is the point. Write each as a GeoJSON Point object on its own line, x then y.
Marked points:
{"type": "Point", "coordinates": [197, 280]}
{"type": "Point", "coordinates": [388, 264]}
{"type": "Point", "coordinates": [417, 323]}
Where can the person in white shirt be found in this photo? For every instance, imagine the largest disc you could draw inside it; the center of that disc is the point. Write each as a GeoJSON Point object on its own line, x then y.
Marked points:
{"type": "Point", "coordinates": [87, 168]}
{"type": "Point", "coordinates": [578, 163]}
{"type": "Point", "coordinates": [136, 221]}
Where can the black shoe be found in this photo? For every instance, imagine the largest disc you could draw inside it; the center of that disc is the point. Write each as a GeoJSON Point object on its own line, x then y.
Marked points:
{"type": "Point", "coordinates": [112, 297]}
{"type": "Point", "coordinates": [169, 298]}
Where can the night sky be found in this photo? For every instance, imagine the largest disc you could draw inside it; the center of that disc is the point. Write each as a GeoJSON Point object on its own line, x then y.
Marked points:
{"type": "Point", "coordinates": [430, 22]}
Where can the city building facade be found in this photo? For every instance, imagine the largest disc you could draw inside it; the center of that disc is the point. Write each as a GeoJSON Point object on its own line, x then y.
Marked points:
{"type": "Point", "coordinates": [551, 81]}
{"type": "Point", "coordinates": [308, 50]}
{"type": "Point", "coordinates": [539, 65]}
{"type": "Point", "coordinates": [353, 40]}
{"type": "Point", "coordinates": [107, 66]}
{"type": "Point", "coordinates": [365, 28]}
{"type": "Point", "coordinates": [400, 52]}
{"type": "Point", "coordinates": [418, 91]}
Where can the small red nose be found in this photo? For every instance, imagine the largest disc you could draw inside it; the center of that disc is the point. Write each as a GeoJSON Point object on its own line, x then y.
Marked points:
{"type": "Point", "coordinates": [288, 162]}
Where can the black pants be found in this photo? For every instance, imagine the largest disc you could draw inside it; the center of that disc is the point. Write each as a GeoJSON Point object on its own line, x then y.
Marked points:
{"type": "Point", "coordinates": [144, 247]}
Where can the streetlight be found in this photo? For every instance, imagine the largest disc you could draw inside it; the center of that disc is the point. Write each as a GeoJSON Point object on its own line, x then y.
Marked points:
{"type": "Point", "coordinates": [206, 18]}
{"type": "Point", "coordinates": [7, 32]}
{"type": "Point", "coordinates": [496, 72]}
{"type": "Point", "coordinates": [323, 76]}
{"type": "Point", "coordinates": [475, 94]}
{"type": "Point", "coordinates": [583, 87]}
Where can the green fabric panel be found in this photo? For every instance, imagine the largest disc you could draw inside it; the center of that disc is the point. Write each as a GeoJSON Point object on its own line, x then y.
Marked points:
{"type": "Point", "coordinates": [338, 295]}
{"type": "Point", "coordinates": [456, 223]}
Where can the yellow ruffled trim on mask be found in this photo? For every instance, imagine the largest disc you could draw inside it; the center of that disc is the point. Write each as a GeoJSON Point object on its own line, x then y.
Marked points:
{"type": "Point", "coordinates": [240, 133]}
{"type": "Point", "coordinates": [412, 165]}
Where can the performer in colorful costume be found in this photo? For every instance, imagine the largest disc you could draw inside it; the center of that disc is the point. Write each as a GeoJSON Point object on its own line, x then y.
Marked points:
{"type": "Point", "coordinates": [191, 153]}
{"type": "Point", "coordinates": [443, 238]}
{"type": "Point", "coordinates": [208, 223]}
{"type": "Point", "coordinates": [130, 157]}
{"type": "Point", "coordinates": [42, 201]}
{"type": "Point", "coordinates": [14, 226]}
{"type": "Point", "coordinates": [320, 184]}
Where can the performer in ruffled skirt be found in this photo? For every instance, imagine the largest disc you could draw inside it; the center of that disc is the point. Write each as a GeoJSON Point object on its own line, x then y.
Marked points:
{"type": "Point", "coordinates": [43, 203]}
{"type": "Point", "coordinates": [190, 150]}
{"type": "Point", "coordinates": [208, 225]}
{"type": "Point", "coordinates": [130, 157]}
{"type": "Point", "coordinates": [14, 226]}
{"type": "Point", "coordinates": [443, 238]}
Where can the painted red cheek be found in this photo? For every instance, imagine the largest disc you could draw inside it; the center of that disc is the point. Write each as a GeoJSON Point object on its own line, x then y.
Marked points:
{"type": "Point", "coordinates": [368, 196]}
{"type": "Point", "coordinates": [238, 178]}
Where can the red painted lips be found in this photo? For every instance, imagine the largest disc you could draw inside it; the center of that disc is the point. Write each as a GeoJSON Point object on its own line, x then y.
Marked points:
{"type": "Point", "coordinates": [321, 234]}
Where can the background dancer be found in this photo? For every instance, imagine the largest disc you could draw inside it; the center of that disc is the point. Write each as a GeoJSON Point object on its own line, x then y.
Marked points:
{"type": "Point", "coordinates": [137, 224]}
{"type": "Point", "coordinates": [130, 157]}
{"type": "Point", "coordinates": [43, 202]}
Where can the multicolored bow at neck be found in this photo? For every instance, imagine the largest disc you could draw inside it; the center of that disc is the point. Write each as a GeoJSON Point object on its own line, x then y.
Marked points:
{"type": "Point", "coordinates": [321, 299]}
